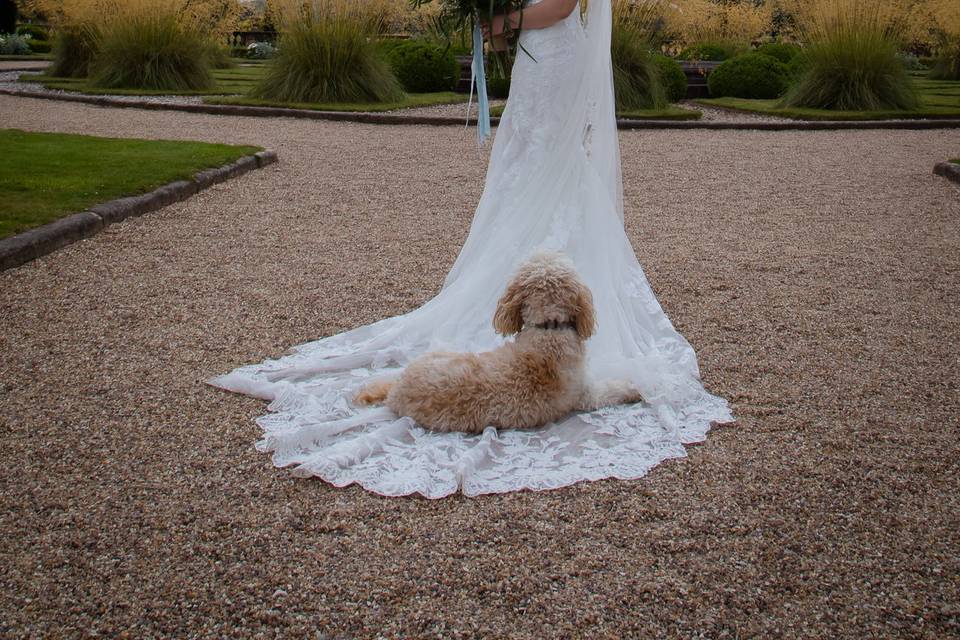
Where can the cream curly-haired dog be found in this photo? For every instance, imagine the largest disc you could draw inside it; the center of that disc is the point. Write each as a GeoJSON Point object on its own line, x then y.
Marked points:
{"type": "Point", "coordinates": [537, 378]}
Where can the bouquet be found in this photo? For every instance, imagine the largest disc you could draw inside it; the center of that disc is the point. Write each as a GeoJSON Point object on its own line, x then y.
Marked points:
{"type": "Point", "coordinates": [464, 15]}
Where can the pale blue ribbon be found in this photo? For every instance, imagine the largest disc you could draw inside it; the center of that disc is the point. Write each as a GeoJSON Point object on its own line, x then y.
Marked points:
{"type": "Point", "coordinates": [478, 77]}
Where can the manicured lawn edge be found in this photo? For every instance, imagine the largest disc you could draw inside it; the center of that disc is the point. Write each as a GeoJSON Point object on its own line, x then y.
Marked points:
{"type": "Point", "coordinates": [29, 245]}
{"type": "Point", "coordinates": [949, 170]}
{"type": "Point", "coordinates": [670, 113]}
{"type": "Point", "coordinates": [30, 57]}
{"type": "Point", "coordinates": [818, 115]}
{"type": "Point", "coordinates": [411, 102]}
{"type": "Point", "coordinates": [394, 118]}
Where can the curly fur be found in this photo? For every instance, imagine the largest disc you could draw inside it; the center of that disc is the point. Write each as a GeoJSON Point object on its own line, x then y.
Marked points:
{"type": "Point", "coordinates": [536, 379]}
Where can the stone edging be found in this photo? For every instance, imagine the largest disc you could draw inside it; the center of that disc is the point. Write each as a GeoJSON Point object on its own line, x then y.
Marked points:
{"type": "Point", "coordinates": [32, 244]}
{"type": "Point", "coordinates": [392, 118]}
{"type": "Point", "coordinates": [949, 170]}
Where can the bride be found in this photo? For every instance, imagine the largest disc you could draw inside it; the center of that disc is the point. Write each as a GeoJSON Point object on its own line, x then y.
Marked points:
{"type": "Point", "coordinates": [553, 182]}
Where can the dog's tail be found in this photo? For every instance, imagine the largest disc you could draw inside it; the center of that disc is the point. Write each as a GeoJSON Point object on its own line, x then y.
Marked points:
{"type": "Point", "coordinates": [373, 393]}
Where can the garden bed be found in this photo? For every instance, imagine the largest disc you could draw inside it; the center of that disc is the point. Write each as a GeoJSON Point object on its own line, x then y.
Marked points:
{"type": "Point", "coordinates": [671, 112]}
{"type": "Point", "coordinates": [413, 100]}
{"type": "Point", "coordinates": [939, 99]}
{"type": "Point", "coordinates": [231, 88]}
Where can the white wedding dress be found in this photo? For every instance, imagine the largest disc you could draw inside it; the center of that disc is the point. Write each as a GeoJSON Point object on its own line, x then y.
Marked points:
{"type": "Point", "coordinates": [553, 182]}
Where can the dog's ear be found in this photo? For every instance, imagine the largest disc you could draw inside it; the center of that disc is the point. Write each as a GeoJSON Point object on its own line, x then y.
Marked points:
{"type": "Point", "coordinates": [509, 317]}
{"type": "Point", "coordinates": [585, 316]}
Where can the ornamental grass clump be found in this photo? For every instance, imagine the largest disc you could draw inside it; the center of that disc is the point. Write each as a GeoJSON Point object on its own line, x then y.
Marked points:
{"type": "Point", "coordinates": [152, 48]}
{"type": "Point", "coordinates": [74, 48]}
{"type": "Point", "coordinates": [138, 44]}
{"type": "Point", "coordinates": [637, 80]}
{"type": "Point", "coordinates": [850, 62]}
{"type": "Point", "coordinates": [328, 53]}
{"type": "Point", "coordinates": [944, 27]}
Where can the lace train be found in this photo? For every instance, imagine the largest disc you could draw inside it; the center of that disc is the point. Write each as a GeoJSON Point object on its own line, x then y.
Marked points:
{"type": "Point", "coordinates": [553, 182]}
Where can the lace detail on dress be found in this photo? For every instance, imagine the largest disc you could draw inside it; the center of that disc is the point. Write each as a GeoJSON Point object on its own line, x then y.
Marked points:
{"type": "Point", "coordinates": [553, 182]}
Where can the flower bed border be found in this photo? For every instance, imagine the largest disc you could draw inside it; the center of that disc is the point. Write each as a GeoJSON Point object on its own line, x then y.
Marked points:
{"type": "Point", "coordinates": [392, 118]}
{"type": "Point", "coordinates": [34, 243]}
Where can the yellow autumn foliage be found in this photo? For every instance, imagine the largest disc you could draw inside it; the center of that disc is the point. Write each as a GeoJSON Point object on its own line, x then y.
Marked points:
{"type": "Point", "coordinates": [213, 17]}
{"type": "Point", "coordinates": [691, 22]}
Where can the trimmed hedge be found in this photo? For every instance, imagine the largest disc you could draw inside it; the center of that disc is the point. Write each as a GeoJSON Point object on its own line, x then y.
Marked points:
{"type": "Point", "coordinates": [782, 51]}
{"type": "Point", "coordinates": [36, 32]}
{"type": "Point", "coordinates": [498, 88]}
{"type": "Point", "coordinates": [673, 77]}
{"type": "Point", "coordinates": [751, 75]}
{"type": "Point", "coordinates": [39, 46]}
{"type": "Point", "coordinates": [423, 67]}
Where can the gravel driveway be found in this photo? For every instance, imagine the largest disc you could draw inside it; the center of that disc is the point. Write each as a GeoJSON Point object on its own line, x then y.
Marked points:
{"type": "Point", "coordinates": [817, 275]}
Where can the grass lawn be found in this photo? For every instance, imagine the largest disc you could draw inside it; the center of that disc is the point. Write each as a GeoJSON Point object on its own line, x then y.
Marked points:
{"type": "Point", "coordinates": [45, 176]}
{"type": "Point", "coordinates": [939, 99]}
{"type": "Point", "coordinates": [412, 100]}
{"type": "Point", "coordinates": [672, 112]}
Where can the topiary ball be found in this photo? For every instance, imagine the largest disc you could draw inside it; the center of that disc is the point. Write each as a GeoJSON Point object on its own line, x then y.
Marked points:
{"type": "Point", "coordinates": [797, 66]}
{"type": "Point", "coordinates": [782, 51]}
{"type": "Point", "coordinates": [752, 75]}
{"type": "Point", "coordinates": [423, 67]}
{"type": "Point", "coordinates": [674, 79]}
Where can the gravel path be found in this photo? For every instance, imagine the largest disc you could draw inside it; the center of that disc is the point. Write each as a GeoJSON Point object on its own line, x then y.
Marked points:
{"type": "Point", "coordinates": [817, 275]}
{"type": "Point", "coordinates": [20, 65]}
{"type": "Point", "coordinates": [8, 80]}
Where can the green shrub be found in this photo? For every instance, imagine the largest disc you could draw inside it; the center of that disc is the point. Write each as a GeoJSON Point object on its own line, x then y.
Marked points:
{"type": "Point", "coordinates": [751, 75]}
{"type": "Point", "coordinates": [152, 50]}
{"type": "Point", "coordinates": [74, 49]}
{"type": "Point", "coordinates": [708, 51]}
{"type": "Point", "coordinates": [260, 51]}
{"type": "Point", "coordinates": [39, 46]}
{"type": "Point", "coordinates": [672, 76]}
{"type": "Point", "coordinates": [910, 62]}
{"type": "Point", "coordinates": [35, 32]}
{"type": "Point", "coordinates": [423, 67]}
{"type": "Point", "coordinates": [782, 51]}
{"type": "Point", "coordinates": [854, 70]}
{"type": "Point", "coordinates": [797, 67]}
{"type": "Point", "coordinates": [946, 66]}
{"type": "Point", "coordinates": [12, 44]}
{"type": "Point", "coordinates": [498, 87]}
{"type": "Point", "coordinates": [636, 75]}
{"type": "Point", "coordinates": [328, 57]}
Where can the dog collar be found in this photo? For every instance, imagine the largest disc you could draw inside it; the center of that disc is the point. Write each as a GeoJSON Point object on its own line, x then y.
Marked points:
{"type": "Point", "coordinates": [556, 324]}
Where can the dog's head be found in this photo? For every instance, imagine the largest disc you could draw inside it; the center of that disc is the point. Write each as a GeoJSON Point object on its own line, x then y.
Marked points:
{"type": "Point", "coordinates": [545, 289]}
